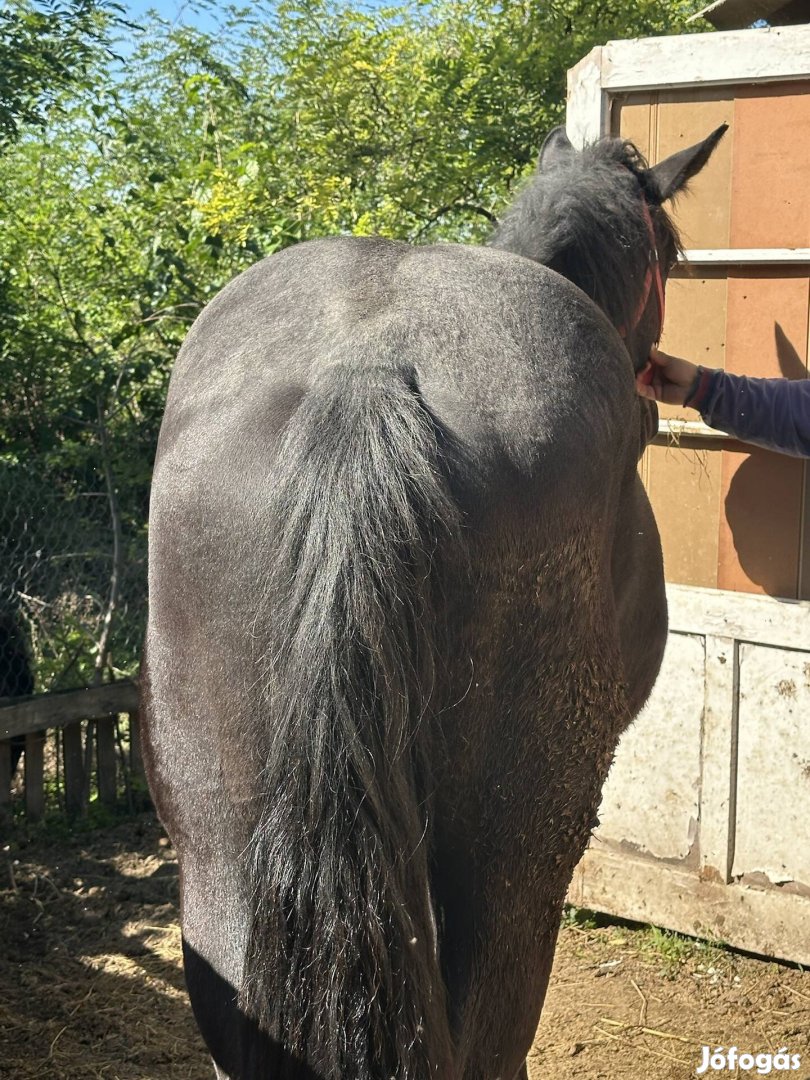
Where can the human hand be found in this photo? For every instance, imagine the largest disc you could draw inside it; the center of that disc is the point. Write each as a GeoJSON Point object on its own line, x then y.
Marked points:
{"type": "Point", "coordinates": [666, 378]}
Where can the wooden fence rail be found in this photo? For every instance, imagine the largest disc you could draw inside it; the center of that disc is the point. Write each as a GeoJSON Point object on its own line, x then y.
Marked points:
{"type": "Point", "coordinates": [88, 719]}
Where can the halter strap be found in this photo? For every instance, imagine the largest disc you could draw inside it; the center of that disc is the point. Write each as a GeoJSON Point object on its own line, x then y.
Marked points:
{"type": "Point", "coordinates": [653, 274]}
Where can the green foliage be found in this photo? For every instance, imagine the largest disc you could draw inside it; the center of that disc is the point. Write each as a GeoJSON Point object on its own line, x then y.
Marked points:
{"type": "Point", "coordinates": [45, 48]}
{"type": "Point", "coordinates": [140, 190]}
{"type": "Point", "coordinates": [581, 918]}
{"type": "Point", "coordinates": [671, 950]}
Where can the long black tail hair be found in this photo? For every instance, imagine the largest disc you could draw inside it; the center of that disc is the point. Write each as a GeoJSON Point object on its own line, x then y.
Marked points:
{"type": "Point", "coordinates": [342, 968]}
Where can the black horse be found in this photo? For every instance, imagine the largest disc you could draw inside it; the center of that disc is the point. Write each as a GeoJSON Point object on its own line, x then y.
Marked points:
{"type": "Point", "coordinates": [405, 594]}
{"type": "Point", "coordinates": [16, 674]}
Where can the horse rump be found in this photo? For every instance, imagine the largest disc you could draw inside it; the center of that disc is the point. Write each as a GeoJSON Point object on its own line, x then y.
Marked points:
{"type": "Point", "coordinates": [341, 967]}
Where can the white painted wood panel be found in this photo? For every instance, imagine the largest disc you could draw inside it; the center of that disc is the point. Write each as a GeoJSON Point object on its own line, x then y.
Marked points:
{"type": "Point", "coordinates": [651, 799]}
{"type": "Point", "coordinates": [772, 54]}
{"type": "Point", "coordinates": [670, 432]}
{"type": "Point", "coordinates": [718, 753]}
{"type": "Point", "coordinates": [586, 116]}
{"type": "Point", "coordinates": [705, 819]}
{"type": "Point", "coordinates": [741, 616]}
{"type": "Point", "coordinates": [772, 835]}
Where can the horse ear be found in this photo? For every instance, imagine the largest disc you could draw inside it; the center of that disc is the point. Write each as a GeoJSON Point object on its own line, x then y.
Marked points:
{"type": "Point", "coordinates": [672, 174]}
{"type": "Point", "coordinates": [555, 150]}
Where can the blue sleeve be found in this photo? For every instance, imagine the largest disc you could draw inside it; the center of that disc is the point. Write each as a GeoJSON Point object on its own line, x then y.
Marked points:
{"type": "Point", "coordinates": [774, 413]}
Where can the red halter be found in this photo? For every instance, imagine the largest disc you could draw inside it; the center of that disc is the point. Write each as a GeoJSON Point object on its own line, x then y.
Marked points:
{"type": "Point", "coordinates": [653, 274]}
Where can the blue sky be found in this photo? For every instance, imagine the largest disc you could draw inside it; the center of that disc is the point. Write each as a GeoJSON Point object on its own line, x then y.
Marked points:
{"type": "Point", "coordinates": [181, 11]}
{"type": "Point", "coordinates": [192, 13]}
{"type": "Point", "coordinates": [203, 14]}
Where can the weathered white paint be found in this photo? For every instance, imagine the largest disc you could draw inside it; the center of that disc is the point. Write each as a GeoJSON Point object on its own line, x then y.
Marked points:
{"type": "Point", "coordinates": [718, 755]}
{"type": "Point", "coordinates": [651, 798]}
{"type": "Point", "coordinates": [772, 54]}
{"type": "Point", "coordinates": [740, 616]}
{"type": "Point", "coordinates": [586, 113]}
{"type": "Point", "coordinates": [704, 815]}
{"type": "Point", "coordinates": [585, 119]}
{"type": "Point", "coordinates": [773, 765]}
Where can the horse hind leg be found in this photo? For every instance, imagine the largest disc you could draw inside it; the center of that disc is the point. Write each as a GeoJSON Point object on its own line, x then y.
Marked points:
{"type": "Point", "coordinates": [239, 1049]}
{"type": "Point", "coordinates": [210, 978]}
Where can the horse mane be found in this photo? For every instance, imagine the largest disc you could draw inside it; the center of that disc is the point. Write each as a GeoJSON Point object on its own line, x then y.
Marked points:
{"type": "Point", "coordinates": [583, 217]}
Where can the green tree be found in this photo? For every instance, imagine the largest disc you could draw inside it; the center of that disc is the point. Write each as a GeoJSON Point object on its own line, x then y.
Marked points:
{"type": "Point", "coordinates": [416, 121]}
{"type": "Point", "coordinates": [44, 49]}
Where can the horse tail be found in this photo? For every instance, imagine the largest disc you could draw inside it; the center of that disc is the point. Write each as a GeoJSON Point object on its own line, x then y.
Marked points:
{"type": "Point", "coordinates": [342, 966]}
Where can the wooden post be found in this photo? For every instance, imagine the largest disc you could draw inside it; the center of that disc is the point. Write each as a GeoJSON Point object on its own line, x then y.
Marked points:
{"type": "Point", "coordinates": [35, 775]}
{"type": "Point", "coordinates": [105, 762]}
{"type": "Point", "coordinates": [73, 751]}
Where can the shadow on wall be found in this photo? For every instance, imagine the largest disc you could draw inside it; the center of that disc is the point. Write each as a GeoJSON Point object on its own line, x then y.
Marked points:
{"type": "Point", "coordinates": [764, 505]}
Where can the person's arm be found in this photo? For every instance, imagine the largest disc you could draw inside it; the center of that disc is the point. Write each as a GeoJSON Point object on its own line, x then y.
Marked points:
{"type": "Point", "coordinates": [773, 413]}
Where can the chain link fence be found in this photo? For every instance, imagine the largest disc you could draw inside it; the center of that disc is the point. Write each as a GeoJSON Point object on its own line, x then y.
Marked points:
{"type": "Point", "coordinates": [72, 585]}
{"type": "Point", "coordinates": [72, 614]}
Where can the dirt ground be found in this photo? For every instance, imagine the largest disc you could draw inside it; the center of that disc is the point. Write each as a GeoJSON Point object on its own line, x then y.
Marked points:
{"type": "Point", "coordinates": [91, 982]}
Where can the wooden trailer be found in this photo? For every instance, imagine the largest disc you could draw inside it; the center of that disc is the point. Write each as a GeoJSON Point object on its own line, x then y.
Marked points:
{"type": "Point", "coordinates": [706, 814]}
